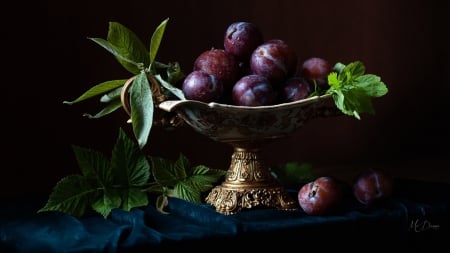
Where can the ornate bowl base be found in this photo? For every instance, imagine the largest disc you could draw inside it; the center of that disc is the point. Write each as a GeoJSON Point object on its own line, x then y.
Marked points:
{"type": "Point", "coordinates": [249, 184]}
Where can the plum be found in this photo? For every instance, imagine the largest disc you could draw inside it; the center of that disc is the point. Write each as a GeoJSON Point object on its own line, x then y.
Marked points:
{"type": "Point", "coordinates": [275, 60]}
{"type": "Point", "coordinates": [316, 70]}
{"type": "Point", "coordinates": [221, 64]}
{"type": "Point", "coordinates": [201, 86]}
{"type": "Point", "coordinates": [295, 88]}
{"type": "Point", "coordinates": [321, 196]}
{"type": "Point", "coordinates": [253, 90]}
{"type": "Point", "coordinates": [372, 186]}
{"type": "Point", "coordinates": [241, 39]}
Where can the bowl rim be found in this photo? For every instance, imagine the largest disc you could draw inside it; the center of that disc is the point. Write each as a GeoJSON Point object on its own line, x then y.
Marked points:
{"type": "Point", "coordinates": [173, 105]}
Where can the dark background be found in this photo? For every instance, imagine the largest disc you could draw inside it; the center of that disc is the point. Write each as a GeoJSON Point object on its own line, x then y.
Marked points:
{"type": "Point", "coordinates": [404, 42]}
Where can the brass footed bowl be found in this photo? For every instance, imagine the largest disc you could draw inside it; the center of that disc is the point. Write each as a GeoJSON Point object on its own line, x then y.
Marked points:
{"type": "Point", "coordinates": [248, 182]}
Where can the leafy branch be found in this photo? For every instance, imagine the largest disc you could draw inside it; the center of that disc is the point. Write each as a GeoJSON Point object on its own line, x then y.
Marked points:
{"type": "Point", "coordinates": [148, 75]}
{"type": "Point", "coordinates": [124, 181]}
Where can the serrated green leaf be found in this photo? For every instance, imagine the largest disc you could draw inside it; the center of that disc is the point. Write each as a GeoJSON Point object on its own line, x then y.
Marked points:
{"type": "Point", "coordinates": [186, 183]}
{"type": "Point", "coordinates": [357, 100]}
{"type": "Point", "coordinates": [111, 107]}
{"type": "Point", "coordinates": [354, 69]}
{"type": "Point", "coordinates": [181, 166]}
{"type": "Point", "coordinates": [105, 184]}
{"type": "Point", "coordinates": [333, 80]}
{"type": "Point", "coordinates": [93, 165]}
{"type": "Point", "coordinates": [106, 201]}
{"type": "Point", "coordinates": [156, 39]}
{"type": "Point", "coordinates": [133, 197]}
{"type": "Point", "coordinates": [165, 172]}
{"type": "Point", "coordinates": [177, 92]}
{"type": "Point", "coordinates": [97, 90]}
{"type": "Point", "coordinates": [122, 55]}
{"type": "Point", "coordinates": [71, 195]}
{"type": "Point", "coordinates": [169, 173]}
{"type": "Point", "coordinates": [371, 85]}
{"type": "Point", "coordinates": [203, 178]}
{"type": "Point", "coordinates": [129, 165]}
{"type": "Point", "coordinates": [185, 190]}
{"type": "Point", "coordinates": [142, 107]}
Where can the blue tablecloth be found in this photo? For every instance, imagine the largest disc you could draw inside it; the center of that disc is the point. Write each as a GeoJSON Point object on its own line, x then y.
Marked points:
{"type": "Point", "coordinates": [417, 217]}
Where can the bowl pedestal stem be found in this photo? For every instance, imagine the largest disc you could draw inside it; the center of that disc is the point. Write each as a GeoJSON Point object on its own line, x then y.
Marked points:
{"type": "Point", "coordinates": [248, 183]}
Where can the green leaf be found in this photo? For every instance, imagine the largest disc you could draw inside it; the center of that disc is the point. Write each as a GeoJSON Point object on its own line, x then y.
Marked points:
{"type": "Point", "coordinates": [71, 195]}
{"type": "Point", "coordinates": [186, 183]}
{"type": "Point", "coordinates": [293, 173]}
{"type": "Point", "coordinates": [121, 55]}
{"type": "Point", "coordinates": [353, 70]}
{"type": "Point", "coordinates": [352, 90]}
{"type": "Point", "coordinates": [130, 167]}
{"type": "Point", "coordinates": [177, 92]}
{"type": "Point", "coordinates": [111, 107]}
{"type": "Point", "coordinates": [106, 201]}
{"type": "Point", "coordinates": [174, 73]}
{"type": "Point", "coordinates": [94, 165]}
{"type": "Point", "coordinates": [129, 45]}
{"type": "Point", "coordinates": [356, 102]}
{"type": "Point", "coordinates": [98, 89]}
{"type": "Point", "coordinates": [169, 173]}
{"type": "Point", "coordinates": [371, 85]}
{"type": "Point", "coordinates": [203, 178]}
{"type": "Point", "coordinates": [104, 185]}
{"type": "Point", "coordinates": [112, 95]}
{"type": "Point", "coordinates": [156, 40]}
{"type": "Point", "coordinates": [185, 190]}
{"type": "Point", "coordinates": [333, 81]}
{"type": "Point", "coordinates": [133, 197]}
{"type": "Point", "coordinates": [142, 107]}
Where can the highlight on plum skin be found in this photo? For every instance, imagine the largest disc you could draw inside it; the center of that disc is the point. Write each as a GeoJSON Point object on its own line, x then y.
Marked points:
{"type": "Point", "coordinates": [241, 38]}
{"type": "Point", "coordinates": [274, 59]}
{"type": "Point", "coordinates": [321, 196]}
{"type": "Point", "coordinates": [221, 64]}
{"type": "Point", "coordinates": [253, 90]}
{"type": "Point", "coordinates": [201, 86]}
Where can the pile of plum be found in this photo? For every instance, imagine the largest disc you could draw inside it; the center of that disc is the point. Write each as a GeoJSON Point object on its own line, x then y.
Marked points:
{"type": "Point", "coordinates": [249, 71]}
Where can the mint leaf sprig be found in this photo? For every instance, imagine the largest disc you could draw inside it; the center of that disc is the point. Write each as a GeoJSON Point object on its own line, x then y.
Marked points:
{"type": "Point", "coordinates": [149, 76]}
{"type": "Point", "coordinates": [353, 90]}
{"type": "Point", "coordinates": [124, 181]}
